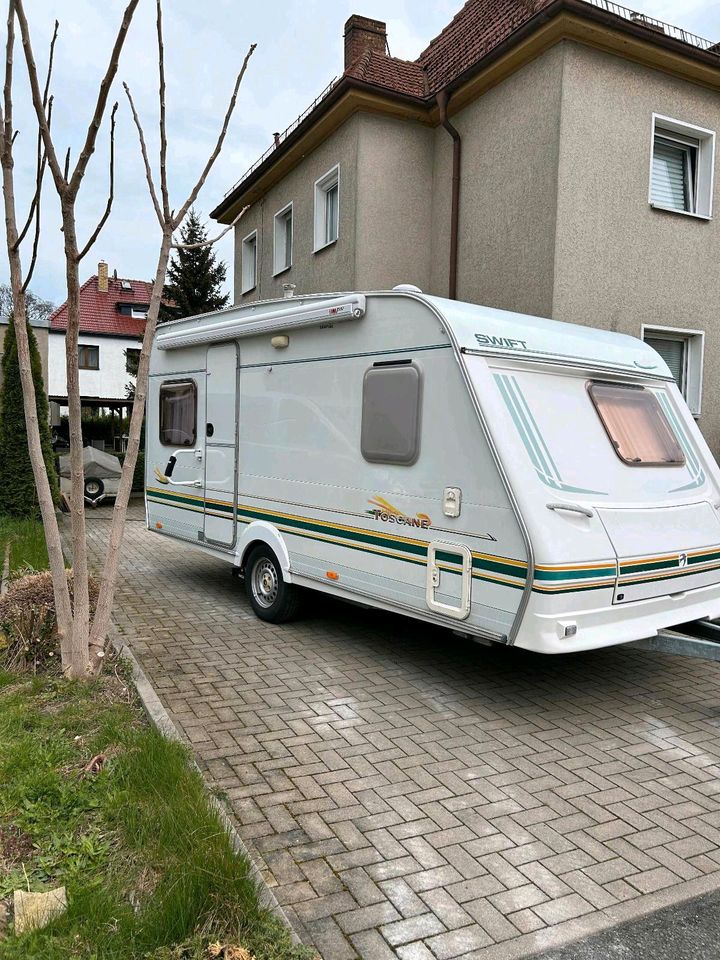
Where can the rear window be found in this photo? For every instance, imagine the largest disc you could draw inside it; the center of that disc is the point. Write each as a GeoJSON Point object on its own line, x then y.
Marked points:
{"type": "Point", "coordinates": [636, 425]}
{"type": "Point", "coordinates": [178, 413]}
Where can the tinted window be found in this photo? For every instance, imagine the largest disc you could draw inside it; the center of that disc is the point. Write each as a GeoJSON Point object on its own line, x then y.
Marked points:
{"type": "Point", "coordinates": [391, 414]}
{"type": "Point", "coordinates": [636, 425]}
{"type": "Point", "coordinates": [178, 413]}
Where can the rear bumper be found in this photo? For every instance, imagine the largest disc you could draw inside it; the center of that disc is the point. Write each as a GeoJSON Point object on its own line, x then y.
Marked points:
{"type": "Point", "coordinates": [611, 624]}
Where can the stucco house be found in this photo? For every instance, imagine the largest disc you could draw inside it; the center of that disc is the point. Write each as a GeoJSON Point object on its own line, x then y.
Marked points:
{"type": "Point", "coordinates": [112, 323]}
{"type": "Point", "coordinates": [555, 157]}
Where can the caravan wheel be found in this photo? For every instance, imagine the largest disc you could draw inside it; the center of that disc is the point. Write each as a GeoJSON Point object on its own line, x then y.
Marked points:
{"type": "Point", "coordinates": [270, 597]}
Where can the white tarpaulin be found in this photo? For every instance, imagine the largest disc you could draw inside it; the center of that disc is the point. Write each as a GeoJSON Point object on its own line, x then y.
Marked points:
{"type": "Point", "coordinates": [97, 463]}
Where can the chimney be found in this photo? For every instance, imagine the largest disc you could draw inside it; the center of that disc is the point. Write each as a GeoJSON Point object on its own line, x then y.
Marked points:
{"type": "Point", "coordinates": [102, 277]}
{"type": "Point", "coordinates": [363, 35]}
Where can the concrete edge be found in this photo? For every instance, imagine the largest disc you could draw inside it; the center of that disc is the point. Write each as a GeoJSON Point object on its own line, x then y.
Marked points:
{"type": "Point", "coordinates": [162, 721]}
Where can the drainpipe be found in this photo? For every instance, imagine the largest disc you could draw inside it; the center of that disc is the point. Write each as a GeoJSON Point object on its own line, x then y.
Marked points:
{"type": "Point", "coordinates": [442, 102]}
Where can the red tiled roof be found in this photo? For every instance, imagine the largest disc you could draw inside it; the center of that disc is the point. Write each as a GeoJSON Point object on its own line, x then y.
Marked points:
{"type": "Point", "coordinates": [480, 26]}
{"type": "Point", "coordinates": [401, 76]}
{"type": "Point", "coordinates": [99, 312]}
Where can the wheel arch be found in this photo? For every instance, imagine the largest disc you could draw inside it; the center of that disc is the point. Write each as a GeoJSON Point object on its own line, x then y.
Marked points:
{"type": "Point", "coordinates": [262, 532]}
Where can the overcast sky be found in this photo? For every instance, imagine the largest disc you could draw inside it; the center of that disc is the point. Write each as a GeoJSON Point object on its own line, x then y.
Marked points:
{"type": "Point", "coordinates": [299, 52]}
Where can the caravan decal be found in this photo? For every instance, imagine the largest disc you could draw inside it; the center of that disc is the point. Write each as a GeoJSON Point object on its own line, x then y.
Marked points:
{"type": "Point", "coordinates": [693, 464]}
{"type": "Point", "coordinates": [532, 439]}
{"type": "Point", "coordinates": [506, 343]}
{"type": "Point", "coordinates": [386, 513]}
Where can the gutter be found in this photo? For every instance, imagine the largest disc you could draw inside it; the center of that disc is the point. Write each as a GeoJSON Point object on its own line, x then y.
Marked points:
{"type": "Point", "coordinates": [442, 101]}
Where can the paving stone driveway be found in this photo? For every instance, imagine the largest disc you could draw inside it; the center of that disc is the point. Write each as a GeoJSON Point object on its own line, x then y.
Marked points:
{"type": "Point", "coordinates": [410, 795]}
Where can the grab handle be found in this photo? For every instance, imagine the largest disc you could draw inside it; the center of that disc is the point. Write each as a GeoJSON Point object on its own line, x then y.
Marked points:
{"type": "Point", "coordinates": [571, 508]}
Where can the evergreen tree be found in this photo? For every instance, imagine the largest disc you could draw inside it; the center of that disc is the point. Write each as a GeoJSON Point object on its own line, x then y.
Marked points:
{"type": "Point", "coordinates": [194, 277]}
{"type": "Point", "coordinates": [18, 497]}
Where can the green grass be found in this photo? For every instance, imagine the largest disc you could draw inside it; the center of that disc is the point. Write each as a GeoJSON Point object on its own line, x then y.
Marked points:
{"type": "Point", "coordinates": [146, 862]}
{"type": "Point", "coordinates": [27, 544]}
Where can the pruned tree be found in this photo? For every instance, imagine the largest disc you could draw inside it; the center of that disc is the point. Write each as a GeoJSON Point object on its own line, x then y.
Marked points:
{"type": "Point", "coordinates": [83, 639]}
{"type": "Point", "coordinates": [195, 276]}
{"type": "Point", "coordinates": [37, 309]}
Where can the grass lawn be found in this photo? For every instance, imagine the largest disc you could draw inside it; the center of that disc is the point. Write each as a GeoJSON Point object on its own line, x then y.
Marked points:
{"type": "Point", "coordinates": [27, 544]}
{"type": "Point", "coordinates": [148, 867]}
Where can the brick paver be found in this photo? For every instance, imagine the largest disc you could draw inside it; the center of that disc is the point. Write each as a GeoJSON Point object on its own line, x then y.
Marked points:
{"type": "Point", "coordinates": [409, 794]}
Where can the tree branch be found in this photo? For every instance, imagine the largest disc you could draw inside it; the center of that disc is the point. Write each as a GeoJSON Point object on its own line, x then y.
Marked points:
{"type": "Point", "coordinates": [178, 219]}
{"type": "Point", "coordinates": [146, 160]}
{"type": "Point", "coordinates": [209, 243]}
{"type": "Point", "coordinates": [7, 126]}
{"type": "Point", "coordinates": [163, 128]}
{"type": "Point", "coordinates": [38, 98]}
{"type": "Point", "coordinates": [103, 93]}
{"type": "Point", "coordinates": [103, 220]}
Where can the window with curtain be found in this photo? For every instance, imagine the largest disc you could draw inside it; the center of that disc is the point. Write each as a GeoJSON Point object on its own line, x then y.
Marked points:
{"type": "Point", "coordinates": [88, 357]}
{"type": "Point", "coordinates": [636, 425]}
{"type": "Point", "coordinates": [178, 413]}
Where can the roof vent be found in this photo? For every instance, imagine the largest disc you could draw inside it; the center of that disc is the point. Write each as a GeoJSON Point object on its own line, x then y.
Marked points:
{"type": "Point", "coordinates": [407, 288]}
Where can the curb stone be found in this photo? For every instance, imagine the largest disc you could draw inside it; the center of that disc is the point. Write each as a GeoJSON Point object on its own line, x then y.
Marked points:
{"type": "Point", "coordinates": [162, 721]}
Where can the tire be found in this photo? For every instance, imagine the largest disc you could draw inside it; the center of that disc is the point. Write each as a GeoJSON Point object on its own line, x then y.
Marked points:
{"type": "Point", "coordinates": [271, 598]}
{"type": "Point", "coordinates": [94, 489]}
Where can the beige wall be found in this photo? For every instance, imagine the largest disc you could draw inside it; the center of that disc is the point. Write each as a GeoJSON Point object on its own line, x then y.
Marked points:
{"type": "Point", "coordinates": [508, 192]}
{"type": "Point", "coordinates": [394, 215]}
{"type": "Point", "coordinates": [332, 268]}
{"type": "Point", "coordinates": [619, 263]}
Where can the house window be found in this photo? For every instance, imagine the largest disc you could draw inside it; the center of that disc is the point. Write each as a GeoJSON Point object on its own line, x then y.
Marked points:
{"type": "Point", "coordinates": [249, 262]}
{"type": "Point", "coordinates": [636, 425]}
{"type": "Point", "coordinates": [390, 431]}
{"type": "Point", "coordinates": [88, 357]}
{"type": "Point", "coordinates": [132, 361]}
{"type": "Point", "coordinates": [283, 240]}
{"type": "Point", "coordinates": [178, 413]}
{"type": "Point", "coordinates": [683, 352]}
{"type": "Point", "coordinates": [327, 209]}
{"type": "Point", "coordinates": [681, 170]}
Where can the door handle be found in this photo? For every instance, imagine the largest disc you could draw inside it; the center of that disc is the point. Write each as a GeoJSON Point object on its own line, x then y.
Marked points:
{"type": "Point", "coordinates": [571, 508]}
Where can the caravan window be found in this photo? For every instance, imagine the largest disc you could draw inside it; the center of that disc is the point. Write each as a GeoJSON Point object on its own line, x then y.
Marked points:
{"type": "Point", "coordinates": [636, 425]}
{"type": "Point", "coordinates": [178, 413]}
{"type": "Point", "coordinates": [390, 431]}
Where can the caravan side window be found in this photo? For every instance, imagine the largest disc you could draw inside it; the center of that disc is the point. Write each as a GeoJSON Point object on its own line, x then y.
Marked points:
{"type": "Point", "coordinates": [636, 425]}
{"type": "Point", "coordinates": [390, 430]}
{"type": "Point", "coordinates": [178, 413]}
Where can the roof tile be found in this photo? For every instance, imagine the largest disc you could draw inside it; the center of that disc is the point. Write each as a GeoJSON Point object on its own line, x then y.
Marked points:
{"type": "Point", "coordinates": [99, 312]}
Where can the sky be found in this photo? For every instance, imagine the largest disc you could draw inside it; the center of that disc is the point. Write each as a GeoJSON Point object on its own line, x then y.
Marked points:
{"type": "Point", "coordinates": [299, 51]}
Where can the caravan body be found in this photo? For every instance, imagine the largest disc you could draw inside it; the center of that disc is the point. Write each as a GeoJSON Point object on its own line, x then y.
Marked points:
{"type": "Point", "coordinates": [514, 478]}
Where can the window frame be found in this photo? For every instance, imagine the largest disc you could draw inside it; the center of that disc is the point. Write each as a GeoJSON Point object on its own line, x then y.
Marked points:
{"type": "Point", "coordinates": [88, 346]}
{"type": "Point", "coordinates": [281, 265]}
{"type": "Point", "coordinates": [687, 136]}
{"type": "Point", "coordinates": [322, 187]}
{"type": "Point", "coordinates": [182, 381]}
{"type": "Point", "coordinates": [394, 461]}
{"type": "Point", "coordinates": [251, 240]}
{"type": "Point", "coordinates": [648, 393]}
{"type": "Point", "coordinates": [692, 389]}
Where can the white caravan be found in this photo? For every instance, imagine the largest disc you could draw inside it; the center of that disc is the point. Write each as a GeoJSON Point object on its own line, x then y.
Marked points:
{"type": "Point", "coordinates": [513, 478]}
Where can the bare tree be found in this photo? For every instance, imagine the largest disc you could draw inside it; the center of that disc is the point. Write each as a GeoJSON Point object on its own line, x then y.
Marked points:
{"type": "Point", "coordinates": [83, 638]}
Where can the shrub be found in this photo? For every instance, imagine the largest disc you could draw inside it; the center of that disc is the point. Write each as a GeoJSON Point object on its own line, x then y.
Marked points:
{"type": "Point", "coordinates": [29, 638]}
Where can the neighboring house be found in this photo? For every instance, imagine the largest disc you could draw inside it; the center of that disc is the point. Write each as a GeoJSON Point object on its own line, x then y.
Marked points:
{"type": "Point", "coordinates": [112, 323]}
{"type": "Point", "coordinates": [582, 139]}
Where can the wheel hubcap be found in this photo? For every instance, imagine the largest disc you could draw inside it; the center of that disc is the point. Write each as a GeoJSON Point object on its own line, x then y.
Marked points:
{"type": "Point", "coordinates": [265, 583]}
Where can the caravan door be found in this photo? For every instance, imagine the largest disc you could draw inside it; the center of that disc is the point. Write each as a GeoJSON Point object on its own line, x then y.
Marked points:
{"type": "Point", "coordinates": [221, 444]}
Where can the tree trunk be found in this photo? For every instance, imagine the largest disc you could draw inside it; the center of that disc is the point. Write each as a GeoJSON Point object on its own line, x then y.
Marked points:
{"type": "Point", "coordinates": [45, 500]}
{"type": "Point", "coordinates": [101, 620]}
{"type": "Point", "coordinates": [78, 664]}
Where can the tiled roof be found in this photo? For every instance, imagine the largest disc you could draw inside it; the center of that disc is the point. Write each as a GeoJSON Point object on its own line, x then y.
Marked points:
{"type": "Point", "coordinates": [480, 26]}
{"type": "Point", "coordinates": [99, 312]}
{"type": "Point", "coordinates": [400, 76]}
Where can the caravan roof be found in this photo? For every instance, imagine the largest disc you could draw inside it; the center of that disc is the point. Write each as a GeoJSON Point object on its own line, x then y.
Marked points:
{"type": "Point", "coordinates": [474, 329]}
